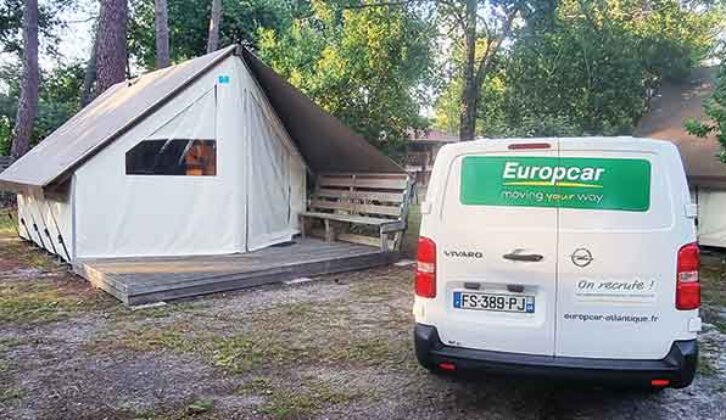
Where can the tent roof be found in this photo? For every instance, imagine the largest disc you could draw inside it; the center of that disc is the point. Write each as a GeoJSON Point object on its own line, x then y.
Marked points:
{"type": "Point", "coordinates": [111, 114]}
{"type": "Point", "coordinates": [326, 144]}
{"type": "Point", "coordinates": [675, 104]}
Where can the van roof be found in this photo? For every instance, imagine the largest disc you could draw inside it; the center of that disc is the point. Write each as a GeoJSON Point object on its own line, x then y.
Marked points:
{"type": "Point", "coordinates": [606, 143]}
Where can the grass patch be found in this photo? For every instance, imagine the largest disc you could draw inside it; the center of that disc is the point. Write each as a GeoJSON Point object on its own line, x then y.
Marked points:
{"type": "Point", "coordinates": [285, 335]}
{"type": "Point", "coordinates": [382, 289]}
{"type": "Point", "coordinates": [10, 343]}
{"type": "Point", "coordinates": [36, 301]}
{"type": "Point", "coordinates": [297, 309]}
{"type": "Point", "coordinates": [713, 289]}
{"type": "Point", "coordinates": [234, 353]}
{"type": "Point", "coordinates": [241, 353]}
{"type": "Point", "coordinates": [8, 225]}
{"type": "Point", "coordinates": [142, 340]}
{"type": "Point", "coordinates": [4, 367]}
{"type": "Point", "coordinates": [199, 407]}
{"type": "Point", "coordinates": [289, 404]}
{"type": "Point", "coordinates": [258, 385]}
{"type": "Point", "coordinates": [713, 279]}
{"type": "Point", "coordinates": [17, 252]}
{"type": "Point", "coordinates": [369, 352]}
{"type": "Point", "coordinates": [410, 239]}
{"type": "Point", "coordinates": [307, 398]}
{"type": "Point", "coordinates": [195, 409]}
{"type": "Point", "coordinates": [706, 367]}
{"type": "Point", "coordinates": [11, 395]}
{"type": "Point", "coordinates": [122, 313]}
{"type": "Point", "coordinates": [719, 323]}
{"type": "Point", "coordinates": [7, 344]}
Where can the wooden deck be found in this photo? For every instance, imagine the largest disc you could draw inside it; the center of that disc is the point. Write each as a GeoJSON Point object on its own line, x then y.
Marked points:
{"type": "Point", "coordinates": [136, 281]}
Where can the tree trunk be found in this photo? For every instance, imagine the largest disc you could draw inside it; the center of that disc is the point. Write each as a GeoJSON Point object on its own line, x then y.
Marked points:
{"type": "Point", "coordinates": [162, 34]}
{"type": "Point", "coordinates": [214, 22]}
{"type": "Point", "coordinates": [111, 55]}
{"type": "Point", "coordinates": [28, 103]}
{"type": "Point", "coordinates": [470, 92]}
{"type": "Point", "coordinates": [90, 76]}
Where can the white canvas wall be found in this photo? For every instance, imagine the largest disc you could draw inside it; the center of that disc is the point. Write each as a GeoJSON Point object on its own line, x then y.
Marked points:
{"type": "Point", "coordinates": [53, 213]}
{"type": "Point", "coordinates": [137, 215]}
{"type": "Point", "coordinates": [712, 217]}
{"type": "Point", "coordinates": [276, 175]}
{"type": "Point", "coordinates": [250, 203]}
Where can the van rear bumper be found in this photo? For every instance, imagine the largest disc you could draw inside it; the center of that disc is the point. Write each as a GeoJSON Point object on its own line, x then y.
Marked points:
{"type": "Point", "coordinates": [679, 365]}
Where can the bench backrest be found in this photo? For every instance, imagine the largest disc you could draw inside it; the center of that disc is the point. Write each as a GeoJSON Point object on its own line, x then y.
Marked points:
{"type": "Point", "coordinates": [374, 195]}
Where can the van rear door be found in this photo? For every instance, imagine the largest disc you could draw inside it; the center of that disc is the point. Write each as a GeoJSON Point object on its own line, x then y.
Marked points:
{"type": "Point", "coordinates": [617, 251]}
{"type": "Point", "coordinates": [496, 242]}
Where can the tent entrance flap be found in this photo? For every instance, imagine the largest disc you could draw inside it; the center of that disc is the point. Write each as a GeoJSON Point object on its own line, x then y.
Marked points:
{"type": "Point", "coordinates": [273, 169]}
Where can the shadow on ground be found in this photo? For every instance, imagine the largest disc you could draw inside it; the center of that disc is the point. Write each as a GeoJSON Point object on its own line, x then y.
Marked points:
{"type": "Point", "coordinates": [339, 347]}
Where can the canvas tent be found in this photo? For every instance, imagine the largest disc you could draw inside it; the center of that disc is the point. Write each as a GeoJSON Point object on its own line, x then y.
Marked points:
{"type": "Point", "coordinates": [675, 104]}
{"type": "Point", "coordinates": [206, 157]}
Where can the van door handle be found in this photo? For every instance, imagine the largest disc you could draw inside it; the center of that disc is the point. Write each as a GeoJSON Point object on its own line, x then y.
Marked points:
{"type": "Point", "coordinates": [515, 256]}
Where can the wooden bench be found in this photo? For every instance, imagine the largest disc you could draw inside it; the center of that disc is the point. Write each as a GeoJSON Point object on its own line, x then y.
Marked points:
{"type": "Point", "coordinates": [378, 201]}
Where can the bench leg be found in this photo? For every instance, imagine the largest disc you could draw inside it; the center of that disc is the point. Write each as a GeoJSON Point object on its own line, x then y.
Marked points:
{"type": "Point", "coordinates": [397, 240]}
{"type": "Point", "coordinates": [329, 231]}
{"type": "Point", "coordinates": [301, 222]}
{"type": "Point", "coordinates": [384, 242]}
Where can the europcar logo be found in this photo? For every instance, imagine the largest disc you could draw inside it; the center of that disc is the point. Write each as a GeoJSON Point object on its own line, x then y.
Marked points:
{"type": "Point", "coordinates": [563, 182]}
{"type": "Point", "coordinates": [547, 176]}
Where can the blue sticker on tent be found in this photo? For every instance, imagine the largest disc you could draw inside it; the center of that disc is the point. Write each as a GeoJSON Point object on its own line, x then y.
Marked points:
{"type": "Point", "coordinates": [223, 80]}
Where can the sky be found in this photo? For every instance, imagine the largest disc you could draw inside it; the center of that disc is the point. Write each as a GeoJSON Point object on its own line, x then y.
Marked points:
{"type": "Point", "coordinates": [75, 38]}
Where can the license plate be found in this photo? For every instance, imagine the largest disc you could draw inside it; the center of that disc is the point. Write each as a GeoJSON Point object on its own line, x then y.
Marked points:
{"type": "Point", "coordinates": [494, 302]}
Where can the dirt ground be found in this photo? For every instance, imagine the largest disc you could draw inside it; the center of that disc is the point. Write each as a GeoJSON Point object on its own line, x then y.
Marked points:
{"type": "Point", "coordinates": [338, 347]}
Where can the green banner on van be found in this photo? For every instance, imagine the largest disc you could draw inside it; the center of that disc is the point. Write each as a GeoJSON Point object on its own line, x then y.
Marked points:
{"type": "Point", "coordinates": [580, 183]}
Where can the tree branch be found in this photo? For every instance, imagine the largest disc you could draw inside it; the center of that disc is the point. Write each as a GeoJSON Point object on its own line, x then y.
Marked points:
{"type": "Point", "coordinates": [493, 45]}
{"type": "Point", "coordinates": [381, 4]}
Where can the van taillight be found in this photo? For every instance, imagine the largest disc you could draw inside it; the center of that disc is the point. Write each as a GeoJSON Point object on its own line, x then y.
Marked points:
{"type": "Point", "coordinates": [425, 284]}
{"type": "Point", "coordinates": [688, 289]}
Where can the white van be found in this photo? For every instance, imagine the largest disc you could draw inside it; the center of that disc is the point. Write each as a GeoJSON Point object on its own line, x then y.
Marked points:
{"type": "Point", "coordinates": [560, 256]}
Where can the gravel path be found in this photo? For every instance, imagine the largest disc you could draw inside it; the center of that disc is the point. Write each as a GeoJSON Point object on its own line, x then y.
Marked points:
{"type": "Point", "coordinates": [338, 347]}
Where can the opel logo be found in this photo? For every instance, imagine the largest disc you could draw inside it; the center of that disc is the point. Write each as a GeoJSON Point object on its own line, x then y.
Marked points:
{"type": "Point", "coordinates": [582, 257]}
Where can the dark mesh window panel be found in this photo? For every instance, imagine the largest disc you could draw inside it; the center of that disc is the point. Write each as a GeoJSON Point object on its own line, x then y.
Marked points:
{"type": "Point", "coordinates": [173, 157]}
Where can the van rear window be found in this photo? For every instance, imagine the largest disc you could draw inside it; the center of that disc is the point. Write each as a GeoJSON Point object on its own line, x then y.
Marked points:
{"type": "Point", "coordinates": [568, 182]}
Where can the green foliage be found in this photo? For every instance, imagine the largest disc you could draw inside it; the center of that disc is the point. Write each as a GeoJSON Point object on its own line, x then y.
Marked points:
{"type": "Point", "coordinates": [589, 67]}
{"type": "Point", "coordinates": [11, 23]}
{"type": "Point", "coordinates": [448, 105]}
{"type": "Point", "coordinates": [366, 66]}
{"type": "Point", "coordinates": [588, 75]}
{"type": "Point", "coordinates": [5, 130]}
{"type": "Point", "coordinates": [59, 99]}
{"type": "Point", "coordinates": [189, 25]}
{"type": "Point", "coordinates": [716, 113]}
{"type": "Point", "coordinates": [571, 67]}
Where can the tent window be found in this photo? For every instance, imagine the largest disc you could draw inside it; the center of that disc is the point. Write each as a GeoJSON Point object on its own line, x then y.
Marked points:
{"type": "Point", "coordinates": [173, 157]}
